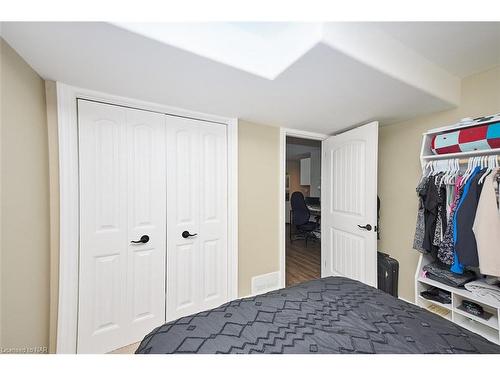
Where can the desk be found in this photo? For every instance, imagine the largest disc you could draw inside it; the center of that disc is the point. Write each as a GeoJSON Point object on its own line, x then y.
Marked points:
{"type": "Point", "coordinates": [315, 210]}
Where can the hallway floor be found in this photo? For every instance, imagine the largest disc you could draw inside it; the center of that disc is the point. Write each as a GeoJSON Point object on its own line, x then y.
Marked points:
{"type": "Point", "coordinates": [302, 263]}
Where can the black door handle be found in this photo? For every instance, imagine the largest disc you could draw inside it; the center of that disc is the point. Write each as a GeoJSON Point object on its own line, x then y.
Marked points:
{"type": "Point", "coordinates": [368, 227]}
{"type": "Point", "coordinates": [144, 239]}
{"type": "Point", "coordinates": [186, 234]}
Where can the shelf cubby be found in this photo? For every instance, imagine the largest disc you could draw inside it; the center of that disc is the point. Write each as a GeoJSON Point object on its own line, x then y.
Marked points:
{"type": "Point", "coordinates": [488, 328]}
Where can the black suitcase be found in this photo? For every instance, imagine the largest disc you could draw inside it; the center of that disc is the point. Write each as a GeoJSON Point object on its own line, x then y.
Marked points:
{"type": "Point", "coordinates": [387, 274]}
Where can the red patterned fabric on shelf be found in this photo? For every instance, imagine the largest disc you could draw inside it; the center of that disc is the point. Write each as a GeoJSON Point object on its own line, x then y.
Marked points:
{"type": "Point", "coordinates": [484, 137]}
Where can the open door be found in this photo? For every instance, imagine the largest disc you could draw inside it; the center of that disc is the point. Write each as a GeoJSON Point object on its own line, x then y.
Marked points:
{"type": "Point", "coordinates": [349, 199]}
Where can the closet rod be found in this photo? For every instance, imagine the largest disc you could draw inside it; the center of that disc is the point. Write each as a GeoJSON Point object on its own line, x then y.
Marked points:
{"type": "Point", "coordinates": [466, 160]}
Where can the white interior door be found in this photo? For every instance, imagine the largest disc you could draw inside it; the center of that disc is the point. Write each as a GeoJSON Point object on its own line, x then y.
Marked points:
{"type": "Point", "coordinates": [122, 198]}
{"type": "Point", "coordinates": [350, 204]}
{"type": "Point", "coordinates": [197, 277]}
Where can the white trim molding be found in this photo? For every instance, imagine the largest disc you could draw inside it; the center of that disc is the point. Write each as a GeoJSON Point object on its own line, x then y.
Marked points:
{"type": "Point", "coordinates": [67, 96]}
{"type": "Point", "coordinates": [232, 219]}
{"type": "Point", "coordinates": [285, 132]}
{"type": "Point", "coordinates": [67, 317]}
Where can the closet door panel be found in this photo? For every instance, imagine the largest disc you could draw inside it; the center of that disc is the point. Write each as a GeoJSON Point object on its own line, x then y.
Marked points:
{"type": "Point", "coordinates": [122, 198]}
{"type": "Point", "coordinates": [183, 202]}
{"type": "Point", "coordinates": [143, 296]}
{"type": "Point", "coordinates": [197, 203]}
{"type": "Point", "coordinates": [213, 215]}
{"type": "Point", "coordinates": [212, 271]}
{"type": "Point", "coordinates": [146, 216]}
{"type": "Point", "coordinates": [103, 231]}
{"type": "Point", "coordinates": [107, 301]}
{"type": "Point", "coordinates": [184, 160]}
{"type": "Point", "coordinates": [185, 270]}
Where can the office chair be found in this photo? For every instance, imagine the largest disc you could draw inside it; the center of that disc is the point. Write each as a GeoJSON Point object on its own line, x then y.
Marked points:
{"type": "Point", "coordinates": [299, 217]}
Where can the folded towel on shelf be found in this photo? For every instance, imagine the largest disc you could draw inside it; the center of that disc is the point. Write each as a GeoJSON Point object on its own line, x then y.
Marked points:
{"type": "Point", "coordinates": [488, 288]}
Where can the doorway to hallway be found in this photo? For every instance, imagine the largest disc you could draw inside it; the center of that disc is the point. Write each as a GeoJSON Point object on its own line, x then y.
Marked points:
{"type": "Point", "coordinates": [302, 210]}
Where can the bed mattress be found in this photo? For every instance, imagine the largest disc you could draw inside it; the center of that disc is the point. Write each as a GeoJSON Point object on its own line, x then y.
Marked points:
{"type": "Point", "coordinates": [329, 315]}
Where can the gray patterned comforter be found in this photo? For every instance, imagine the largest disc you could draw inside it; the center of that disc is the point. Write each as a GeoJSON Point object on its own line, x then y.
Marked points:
{"type": "Point", "coordinates": [330, 315]}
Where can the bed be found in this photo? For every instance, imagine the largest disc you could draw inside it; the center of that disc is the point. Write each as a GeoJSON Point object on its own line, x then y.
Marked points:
{"type": "Point", "coordinates": [329, 315]}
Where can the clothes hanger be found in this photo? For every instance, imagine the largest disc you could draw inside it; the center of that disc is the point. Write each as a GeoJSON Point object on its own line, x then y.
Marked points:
{"type": "Point", "coordinates": [449, 175]}
{"type": "Point", "coordinates": [427, 170]}
{"type": "Point", "coordinates": [455, 169]}
{"type": "Point", "coordinates": [437, 171]}
{"type": "Point", "coordinates": [447, 172]}
{"type": "Point", "coordinates": [433, 167]}
{"type": "Point", "coordinates": [473, 164]}
{"type": "Point", "coordinates": [485, 164]}
{"type": "Point", "coordinates": [491, 165]}
{"type": "Point", "coordinates": [440, 175]}
{"type": "Point", "coordinates": [466, 173]}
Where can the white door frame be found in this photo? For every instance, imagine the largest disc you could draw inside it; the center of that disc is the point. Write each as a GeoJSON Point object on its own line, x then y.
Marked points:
{"type": "Point", "coordinates": [67, 320]}
{"type": "Point", "coordinates": [285, 132]}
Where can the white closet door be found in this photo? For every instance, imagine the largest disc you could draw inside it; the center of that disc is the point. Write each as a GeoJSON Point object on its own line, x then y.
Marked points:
{"type": "Point", "coordinates": [350, 204]}
{"type": "Point", "coordinates": [146, 216]}
{"type": "Point", "coordinates": [182, 215]}
{"type": "Point", "coordinates": [213, 216]}
{"type": "Point", "coordinates": [122, 197]}
{"type": "Point", "coordinates": [197, 204]}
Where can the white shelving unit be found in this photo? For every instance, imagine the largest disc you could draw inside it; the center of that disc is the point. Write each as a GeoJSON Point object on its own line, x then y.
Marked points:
{"type": "Point", "coordinates": [489, 329]}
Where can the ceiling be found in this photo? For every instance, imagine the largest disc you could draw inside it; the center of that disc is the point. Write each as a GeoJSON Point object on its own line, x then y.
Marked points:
{"type": "Point", "coordinates": [317, 77]}
{"type": "Point", "coordinates": [265, 49]}
{"type": "Point", "coordinates": [462, 48]}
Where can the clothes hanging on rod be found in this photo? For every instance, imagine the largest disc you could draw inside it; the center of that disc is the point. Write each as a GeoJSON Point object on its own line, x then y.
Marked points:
{"type": "Point", "coordinates": [488, 216]}
{"type": "Point", "coordinates": [454, 225]}
{"type": "Point", "coordinates": [431, 206]}
{"type": "Point", "coordinates": [418, 241]}
{"type": "Point", "coordinates": [446, 247]}
{"type": "Point", "coordinates": [441, 221]}
{"type": "Point", "coordinates": [464, 239]}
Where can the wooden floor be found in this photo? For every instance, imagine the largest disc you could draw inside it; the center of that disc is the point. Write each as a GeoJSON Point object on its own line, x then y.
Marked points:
{"type": "Point", "coordinates": [302, 263]}
{"type": "Point", "coordinates": [129, 349]}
